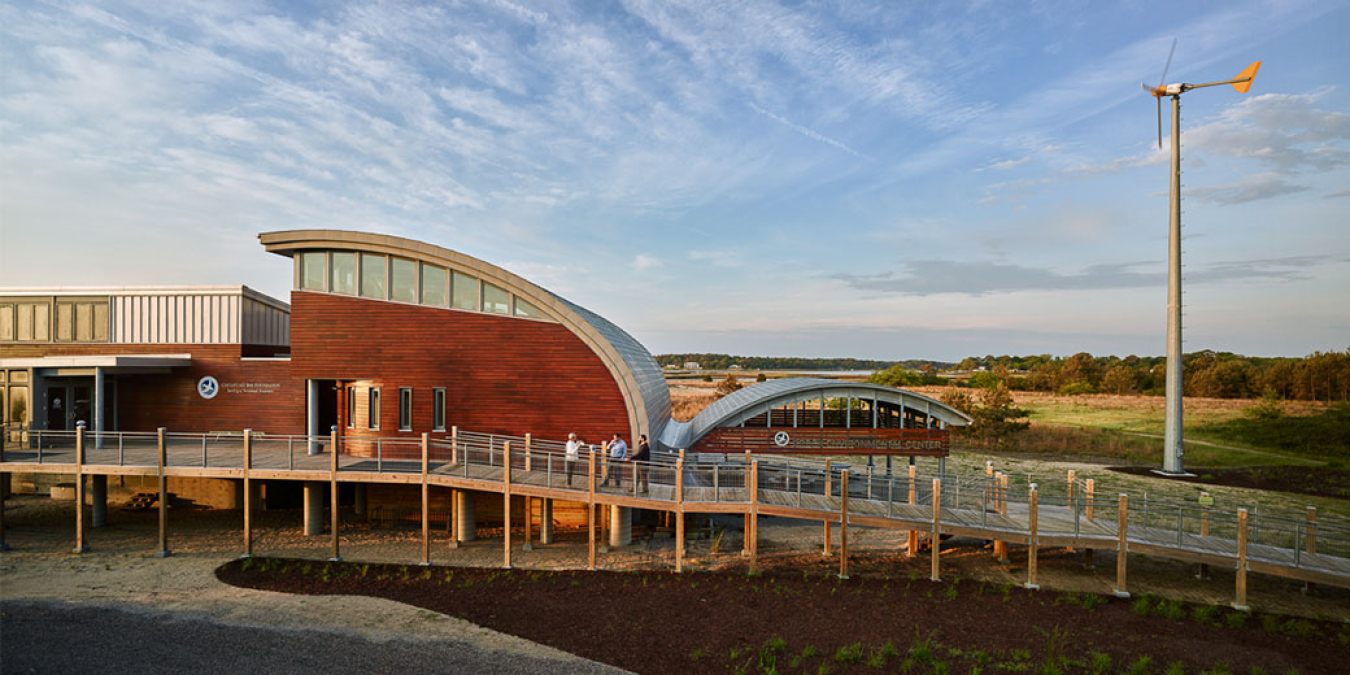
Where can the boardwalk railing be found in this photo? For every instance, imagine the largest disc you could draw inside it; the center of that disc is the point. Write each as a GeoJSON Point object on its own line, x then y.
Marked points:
{"type": "Point", "coordinates": [991, 505]}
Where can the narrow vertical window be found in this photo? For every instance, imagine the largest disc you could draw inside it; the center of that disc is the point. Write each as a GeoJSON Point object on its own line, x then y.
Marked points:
{"type": "Point", "coordinates": [373, 272]}
{"type": "Point", "coordinates": [404, 409]}
{"type": "Point", "coordinates": [374, 409]}
{"type": "Point", "coordinates": [312, 272]}
{"type": "Point", "coordinates": [403, 280]}
{"type": "Point", "coordinates": [438, 409]}
{"type": "Point", "coordinates": [351, 407]}
{"type": "Point", "coordinates": [344, 273]}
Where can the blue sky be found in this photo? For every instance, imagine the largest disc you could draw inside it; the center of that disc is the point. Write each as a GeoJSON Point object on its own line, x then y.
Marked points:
{"type": "Point", "coordinates": [870, 179]}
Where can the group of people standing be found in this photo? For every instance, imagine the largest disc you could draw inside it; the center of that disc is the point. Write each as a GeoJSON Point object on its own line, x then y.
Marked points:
{"type": "Point", "coordinates": [618, 456]}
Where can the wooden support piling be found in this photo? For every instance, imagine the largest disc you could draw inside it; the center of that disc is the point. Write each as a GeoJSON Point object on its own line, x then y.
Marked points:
{"type": "Point", "coordinates": [454, 519]}
{"type": "Point", "coordinates": [1122, 544]}
{"type": "Point", "coordinates": [1240, 603]}
{"type": "Point", "coordinates": [1032, 542]}
{"type": "Point", "coordinates": [843, 524]}
{"type": "Point", "coordinates": [1072, 499]}
{"type": "Point", "coordinates": [829, 491]}
{"type": "Point", "coordinates": [506, 505]}
{"type": "Point", "coordinates": [754, 514]}
{"type": "Point", "coordinates": [248, 494]}
{"type": "Point", "coordinates": [163, 481]}
{"type": "Point", "coordinates": [529, 523]}
{"type": "Point", "coordinates": [80, 545]}
{"type": "Point", "coordinates": [333, 494]}
{"type": "Point", "coordinates": [1001, 507]}
{"type": "Point", "coordinates": [590, 510]}
{"type": "Point", "coordinates": [426, 503]}
{"type": "Point", "coordinates": [1089, 499]}
{"type": "Point", "coordinates": [913, 535]}
{"type": "Point", "coordinates": [679, 513]}
{"type": "Point", "coordinates": [936, 543]}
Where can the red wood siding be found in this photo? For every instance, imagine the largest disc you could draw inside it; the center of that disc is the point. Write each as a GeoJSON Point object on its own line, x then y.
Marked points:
{"type": "Point", "coordinates": [146, 402]}
{"type": "Point", "coordinates": [501, 374]}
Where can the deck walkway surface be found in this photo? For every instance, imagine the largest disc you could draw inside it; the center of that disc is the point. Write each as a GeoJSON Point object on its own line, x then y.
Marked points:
{"type": "Point", "coordinates": [968, 506]}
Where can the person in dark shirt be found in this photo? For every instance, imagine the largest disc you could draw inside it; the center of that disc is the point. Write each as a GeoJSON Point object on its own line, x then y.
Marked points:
{"type": "Point", "coordinates": [643, 454]}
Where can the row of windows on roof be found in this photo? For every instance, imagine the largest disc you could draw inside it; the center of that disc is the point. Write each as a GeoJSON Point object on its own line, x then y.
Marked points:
{"type": "Point", "coordinates": [390, 278]}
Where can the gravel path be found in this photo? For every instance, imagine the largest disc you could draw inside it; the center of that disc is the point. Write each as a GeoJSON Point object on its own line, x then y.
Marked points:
{"type": "Point", "coordinates": [49, 637]}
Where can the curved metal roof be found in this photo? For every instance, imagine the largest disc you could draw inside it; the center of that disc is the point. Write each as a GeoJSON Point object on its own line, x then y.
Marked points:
{"type": "Point", "coordinates": [748, 402]}
{"type": "Point", "coordinates": [635, 371]}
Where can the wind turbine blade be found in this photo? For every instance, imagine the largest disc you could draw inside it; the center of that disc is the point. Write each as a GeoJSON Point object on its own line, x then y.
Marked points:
{"type": "Point", "coordinates": [1163, 79]}
{"type": "Point", "coordinates": [1243, 81]}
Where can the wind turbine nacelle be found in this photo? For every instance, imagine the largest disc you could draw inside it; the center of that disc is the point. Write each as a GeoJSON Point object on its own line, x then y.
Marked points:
{"type": "Point", "coordinates": [1165, 90]}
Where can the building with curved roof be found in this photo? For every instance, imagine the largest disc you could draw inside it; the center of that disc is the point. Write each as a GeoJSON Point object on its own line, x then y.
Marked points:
{"type": "Point", "coordinates": [838, 418]}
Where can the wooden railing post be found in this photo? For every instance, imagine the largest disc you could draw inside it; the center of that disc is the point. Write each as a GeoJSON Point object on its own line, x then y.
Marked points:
{"type": "Point", "coordinates": [333, 492]}
{"type": "Point", "coordinates": [80, 545]}
{"type": "Point", "coordinates": [754, 513]}
{"type": "Point", "coordinates": [454, 445]}
{"type": "Point", "coordinates": [528, 464]}
{"type": "Point", "coordinates": [936, 543]}
{"type": "Point", "coordinates": [1032, 542]}
{"type": "Point", "coordinates": [163, 551]}
{"type": "Point", "coordinates": [843, 524]}
{"type": "Point", "coordinates": [1240, 603]}
{"type": "Point", "coordinates": [590, 509]}
{"type": "Point", "coordinates": [248, 494]}
{"type": "Point", "coordinates": [1122, 544]}
{"type": "Point", "coordinates": [1310, 543]}
{"type": "Point", "coordinates": [426, 503]}
{"type": "Point", "coordinates": [1072, 500]}
{"type": "Point", "coordinates": [829, 490]}
{"type": "Point", "coordinates": [679, 513]}
{"type": "Point", "coordinates": [989, 483]}
{"type": "Point", "coordinates": [506, 505]}
{"type": "Point", "coordinates": [913, 535]}
{"type": "Point", "coordinates": [1001, 508]}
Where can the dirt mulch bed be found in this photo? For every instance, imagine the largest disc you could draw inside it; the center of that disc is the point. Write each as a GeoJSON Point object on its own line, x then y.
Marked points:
{"type": "Point", "coordinates": [808, 620]}
{"type": "Point", "coordinates": [1319, 481]}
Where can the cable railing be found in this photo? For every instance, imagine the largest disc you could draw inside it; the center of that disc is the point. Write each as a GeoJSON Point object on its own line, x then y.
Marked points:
{"type": "Point", "coordinates": [992, 501]}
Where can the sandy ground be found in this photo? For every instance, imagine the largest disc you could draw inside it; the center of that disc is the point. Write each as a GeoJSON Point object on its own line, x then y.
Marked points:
{"type": "Point", "coordinates": [120, 571]}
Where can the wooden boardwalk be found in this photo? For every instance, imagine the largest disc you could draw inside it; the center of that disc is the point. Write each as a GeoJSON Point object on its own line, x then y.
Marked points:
{"type": "Point", "coordinates": [678, 488]}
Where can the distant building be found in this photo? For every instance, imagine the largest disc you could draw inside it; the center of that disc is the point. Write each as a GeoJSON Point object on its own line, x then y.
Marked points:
{"type": "Point", "coordinates": [735, 366]}
{"type": "Point", "coordinates": [692, 365]}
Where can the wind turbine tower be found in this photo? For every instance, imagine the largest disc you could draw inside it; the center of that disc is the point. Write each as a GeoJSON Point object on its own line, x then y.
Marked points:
{"type": "Point", "coordinates": [1173, 448]}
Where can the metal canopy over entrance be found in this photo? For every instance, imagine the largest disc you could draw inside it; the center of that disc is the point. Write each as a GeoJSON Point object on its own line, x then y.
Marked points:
{"type": "Point", "coordinates": [822, 417]}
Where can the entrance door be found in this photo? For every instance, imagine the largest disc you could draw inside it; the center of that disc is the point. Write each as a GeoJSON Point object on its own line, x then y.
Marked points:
{"type": "Point", "coordinates": [81, 407]}
{"type": "Point", "coordinates": [68, 405]}
{"type": "Point", "coordinates": [58, 402]}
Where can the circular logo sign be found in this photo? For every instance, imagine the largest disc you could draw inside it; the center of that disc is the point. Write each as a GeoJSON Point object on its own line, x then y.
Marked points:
{"type": "Point", "coordinates": [781, 439]}
{"type": "Point", "coordinates": [208, 387]}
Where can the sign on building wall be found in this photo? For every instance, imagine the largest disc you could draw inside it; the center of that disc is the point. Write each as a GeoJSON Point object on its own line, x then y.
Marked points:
{"type": "Point", "coordinates": [811, 441]}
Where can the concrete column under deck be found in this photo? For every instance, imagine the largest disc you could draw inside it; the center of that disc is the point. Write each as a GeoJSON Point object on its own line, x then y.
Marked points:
{"type": "Point", "coordinates": [620, 526]}
{"type": "Point", "coordinates": [465, 522]}
{"type": "Point", "coordinates": [313, 508]}
{"type": "Point", "coordinates": [98, 495]}
{"type": "Point", "coordinates": [546, 522]}
{"type": "Point", "coordinates": [360, 499]}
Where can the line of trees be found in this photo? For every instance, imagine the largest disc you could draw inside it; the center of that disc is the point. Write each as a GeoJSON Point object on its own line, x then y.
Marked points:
{"type": "Point", "coordinates": [1320, 376]}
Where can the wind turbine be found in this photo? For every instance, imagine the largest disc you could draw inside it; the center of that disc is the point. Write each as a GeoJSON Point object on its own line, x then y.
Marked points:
{"type": "Point", "coordinates": [1173, 448]}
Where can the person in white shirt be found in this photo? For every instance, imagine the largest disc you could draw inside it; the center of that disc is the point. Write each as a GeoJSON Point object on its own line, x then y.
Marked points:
{"type": "Point", "coordinates": [571, 456]}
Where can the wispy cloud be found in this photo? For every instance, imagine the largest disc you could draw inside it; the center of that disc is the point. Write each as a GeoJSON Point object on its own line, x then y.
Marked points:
{"type": "Point", "coordinates": [1249, 189]}
{"type": "Point", "coordinates": [934, 277]}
